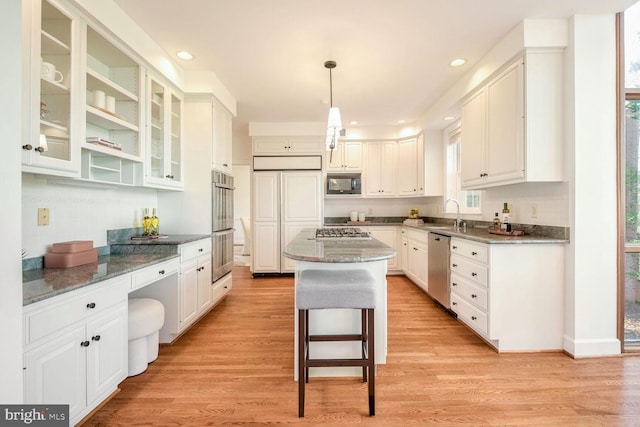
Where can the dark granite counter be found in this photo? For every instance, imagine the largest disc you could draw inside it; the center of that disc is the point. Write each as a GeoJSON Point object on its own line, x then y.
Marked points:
{"type": "Point", "coordinates": [164, 245]}
{"type": "Point", "coordinates": [482, 235]}
{"type": "Point", "coordinates": [306, 248]}
{"type": "Point", "coordinates": [45, 283]}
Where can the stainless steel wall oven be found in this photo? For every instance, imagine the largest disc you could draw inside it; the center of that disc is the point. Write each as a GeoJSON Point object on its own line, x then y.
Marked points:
{"type": "Point", "coordinates": [222, 224]}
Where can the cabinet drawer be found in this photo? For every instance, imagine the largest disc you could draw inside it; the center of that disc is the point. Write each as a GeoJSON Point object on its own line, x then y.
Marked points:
{"type": "Point", "coordinates": [221, 288]}
{"type": "Point", "coordinates": [149, 275]}
{"type": "Point", "coordinates": [469, 291]}
{"type": "Point", "coordinates": [469, 270]}
{"type": "Point", "coordinates": [194, 249]}
{"type": "Point", "coordinates": [474, 251]}
{"type": "Point", "coordinates": [469, 314]}
{"type": "Point", "coordinates": [417, 235]}
{"type": "Point", "coordinates": [59, 312]}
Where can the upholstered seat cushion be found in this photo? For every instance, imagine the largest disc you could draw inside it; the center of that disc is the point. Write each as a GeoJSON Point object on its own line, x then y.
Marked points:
{"type": "Point", "coordinates": [318, 289]}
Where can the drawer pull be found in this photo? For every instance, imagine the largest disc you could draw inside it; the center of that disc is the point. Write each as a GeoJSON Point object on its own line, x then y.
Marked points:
{"type": "Point", "coordinates": [474, 274]}
{"type": "Point", "coordinates": [454, 247]}
{"type": "Point", "coordinates": [96, 338]}
{"type": "Point", "coordinates": [474, 296]}
{"type": "Point", "coordinates": [91, 305]}
{"type": "Point", "coordinates": [161, 272]}
{"type": "Point", "coordinates": [200, 250]}
{"type": "Point", "coordinates": [474, 253]}
{"type": "Point", "coordinates": [415, 249]}
{"type": "Point", "coordinates": [226, 287]}
{"type": "Point", "coordinates": [454, 265]}
{"type": "Point", "coordinates": [84, 344]}
{"type": "Point", "coordinates": [474, 318]}
{"type": "Point", "coordinates": [454, 303]}
{"type": "Point", "coordinates": [454, 284]}
{"type": "Point", "coordinates": [437, 239]}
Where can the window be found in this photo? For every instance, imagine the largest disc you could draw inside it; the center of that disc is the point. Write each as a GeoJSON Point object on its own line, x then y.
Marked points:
{"type": "Point", "coordinates": [630, 177]}
{"type": "Point", "coordinates": [469, 200]}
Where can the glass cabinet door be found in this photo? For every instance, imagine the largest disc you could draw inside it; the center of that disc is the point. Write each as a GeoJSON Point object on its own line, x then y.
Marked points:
{"type": "Point", "coordinates": [53, 145]}
{"type": "Point", "coordinates": [157, 128]}
{"type": "Point", "coordinates": [176, 138]}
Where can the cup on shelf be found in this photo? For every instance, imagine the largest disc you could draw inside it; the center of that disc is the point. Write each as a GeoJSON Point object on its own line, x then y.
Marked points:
{"type": "Point", "coordinates": [361, 216]}
{"type": "Point", "coordinates": [110, 104]}
{"type": "Point", "coordinates": [99, 99]}
{"type": "Point", "coordinates": [354, 216]}
{"type": "Point", "coordinates": [48, 72]}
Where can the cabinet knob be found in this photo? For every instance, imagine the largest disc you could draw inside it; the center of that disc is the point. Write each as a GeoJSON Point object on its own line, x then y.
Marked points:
{"type": "Point", "coordinates": [226, 165]}
{"type": "Point", "coordinates": [474, 253]}
{"type": "Point", "coordinates": [454, 284]}
{"type": "Point", "coordinates": [226, 287]}
{"type": "Point", "coordinates": [454, 303]}
{"type": "Point", "coordinates": [474, 318]}
{"type": "Point", "coordinates": [95, 338]}
{"type": "Point", "coordinates": [91, 305]}
{"type": "Point", "coordinates": [84, 344]}
{"type": "Point", "coordinates": [474, 296]}
{"type": "Point", "coordinates": [454, 265]}
{"type": "Point", "coordinates": [474, 274]}
{"type": "Point", "coordinates": [437, 239]}
{"type": "Point", "coordinates": [200, 250]}
{"type": "Point", "coordinates": [39, 149]}
{"type": "Point", "coordinates": [161, 272]}
{"type": "Point", "coordinates": [454, 247]}
{"type": "Point", "coordinates": [415, 249]}
{"type": "Point", "coordinates": [27, 147]}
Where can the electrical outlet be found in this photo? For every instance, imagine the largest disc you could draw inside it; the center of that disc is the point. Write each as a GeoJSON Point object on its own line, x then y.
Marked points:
{"type": "Point", "coordinates": [534, 210]}
{"type": "Point", "coordinates": [43, 216]}
{"type": "Point", "coordinates": [370, 211]}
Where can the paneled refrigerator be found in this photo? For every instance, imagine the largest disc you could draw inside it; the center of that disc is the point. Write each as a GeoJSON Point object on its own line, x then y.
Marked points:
{"type": "Point", "coordinates": [284, 202]}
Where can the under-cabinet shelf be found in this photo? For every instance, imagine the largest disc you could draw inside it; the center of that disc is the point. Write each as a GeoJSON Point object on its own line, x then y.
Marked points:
{"type": "Point", "coordinates": [107, 121]}
{"type": "Point", "coordinates": [50, 45]}
{"type": "Point", "coordinates": [106, 168]}
{"type": "Point", "coordinates": [97, 81]}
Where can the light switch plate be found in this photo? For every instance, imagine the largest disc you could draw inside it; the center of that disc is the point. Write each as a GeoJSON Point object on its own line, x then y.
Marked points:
{"type": "Point", "coordinates": [43, 216]}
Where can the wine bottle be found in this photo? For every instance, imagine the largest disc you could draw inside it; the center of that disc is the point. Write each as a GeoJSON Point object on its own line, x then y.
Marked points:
{"type": "Point", "coordinates": [496, 222]}
{"type": "Point", "coordinates": [505, 217]}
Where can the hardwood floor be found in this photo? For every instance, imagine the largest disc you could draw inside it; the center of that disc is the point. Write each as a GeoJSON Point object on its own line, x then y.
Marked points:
{"type": "Point", "coordinates": [236, 367]}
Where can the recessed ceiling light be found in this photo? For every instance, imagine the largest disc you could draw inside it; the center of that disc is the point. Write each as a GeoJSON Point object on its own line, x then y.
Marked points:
{"type": "Point", "coordinates": [401, 121]}
{"type": "Point", "coordinates": [183, 54]}
{"type": "Point", "coordinates": [458, 62]}
{"type": "Point", "coordinates": [448, 118]}
{"type": "Point", "coordinates": [353, 123]}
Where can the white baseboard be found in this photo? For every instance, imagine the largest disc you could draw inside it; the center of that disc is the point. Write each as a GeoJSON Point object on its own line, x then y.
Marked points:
{"type": "Point", "coordinates": [592, 347]}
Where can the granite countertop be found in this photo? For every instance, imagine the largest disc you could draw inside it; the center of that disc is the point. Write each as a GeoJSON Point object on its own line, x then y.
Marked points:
{"type": "Point", "coordinates": [306, 248]}
{"type": "Point", "coordinates": [45, 283]}
{"type": "Point", "coordinates": [154, 245]}
{"type": "Point", "coordinates": [477, 230]}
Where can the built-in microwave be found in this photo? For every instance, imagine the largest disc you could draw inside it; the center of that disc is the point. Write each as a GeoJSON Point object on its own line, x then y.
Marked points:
{"type": "Point", "coordinates": [344, 183]}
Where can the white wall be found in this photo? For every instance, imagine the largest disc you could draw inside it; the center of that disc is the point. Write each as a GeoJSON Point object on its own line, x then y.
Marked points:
{"type": "Point", "coordinates": [241, 199]}
{"type": "Point", "coordinates": [78, 213]}
{"type": "Point", "coordinates": [11, 385]}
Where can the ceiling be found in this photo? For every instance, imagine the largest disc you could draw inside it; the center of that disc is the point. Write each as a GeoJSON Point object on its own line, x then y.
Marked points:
{"type": "Point", "coordinates": [392, 55]}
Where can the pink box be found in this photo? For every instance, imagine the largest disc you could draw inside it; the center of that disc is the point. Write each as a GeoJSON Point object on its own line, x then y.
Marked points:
{"type": "Point", "coordinates": [73, 246]}
{"type": "Point", "coordinates": [56, 260]}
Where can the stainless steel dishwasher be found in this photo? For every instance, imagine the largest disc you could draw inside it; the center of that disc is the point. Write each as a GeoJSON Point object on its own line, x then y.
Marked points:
{"type": "Point", "coordinates": [438, 277]}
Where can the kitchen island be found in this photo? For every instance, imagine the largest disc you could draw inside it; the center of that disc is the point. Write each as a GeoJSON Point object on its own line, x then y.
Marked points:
{"type": "Point", "coordinates": [341, 253]}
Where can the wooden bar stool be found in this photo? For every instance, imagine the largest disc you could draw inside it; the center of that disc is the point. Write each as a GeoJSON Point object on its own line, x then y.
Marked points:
{"type": "Point", "coordinates": [330, 289]}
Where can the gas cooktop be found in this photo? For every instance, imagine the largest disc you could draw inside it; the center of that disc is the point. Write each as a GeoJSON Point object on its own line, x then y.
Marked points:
{"type": "Point", "coordinates": [340, 233]}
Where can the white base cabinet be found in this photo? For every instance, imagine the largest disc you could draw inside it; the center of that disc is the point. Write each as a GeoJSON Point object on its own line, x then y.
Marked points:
{"type": "Point", "coordinates": [76, 347]}
{"type": "Point", "coordinates": [511, 295]}
{"type": "Point", "coordinates": [414, 256]}
{"type": "Point", "coordinates": [389, 236]}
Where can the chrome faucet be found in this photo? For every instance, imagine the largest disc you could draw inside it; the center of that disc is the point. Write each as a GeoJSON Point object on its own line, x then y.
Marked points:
{"type": "Point", "coordinates": [457, 211]}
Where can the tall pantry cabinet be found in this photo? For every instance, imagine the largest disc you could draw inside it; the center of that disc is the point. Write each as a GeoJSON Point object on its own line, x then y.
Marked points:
{"type": "Point", "coordinates": [284, 202]}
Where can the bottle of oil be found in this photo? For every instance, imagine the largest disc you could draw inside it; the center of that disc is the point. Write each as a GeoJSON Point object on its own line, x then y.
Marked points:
{"type": "Point", "coordinates": [154, 223]}
{"type": "Point", "coordinates": [146, 223]}
{"type": "Point", "coordinates": [496, 222]}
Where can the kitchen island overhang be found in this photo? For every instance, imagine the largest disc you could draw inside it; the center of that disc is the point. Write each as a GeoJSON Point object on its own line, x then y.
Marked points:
{"type": "Point", "coordinates": [341, 254]}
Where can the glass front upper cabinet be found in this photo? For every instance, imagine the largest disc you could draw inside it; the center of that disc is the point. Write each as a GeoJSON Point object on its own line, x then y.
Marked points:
{"type": "Point", "coordinates": [53, 147]}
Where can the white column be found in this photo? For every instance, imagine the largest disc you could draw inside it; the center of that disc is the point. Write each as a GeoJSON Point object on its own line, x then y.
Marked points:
{"type": "Point", "coordinates": [591, 288]}
{"type": "Point", "coordinates": [10, 194]}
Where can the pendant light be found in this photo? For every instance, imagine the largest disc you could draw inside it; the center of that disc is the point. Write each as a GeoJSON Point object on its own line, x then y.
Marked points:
{"type": "Point", "coordinates": [334, 123]}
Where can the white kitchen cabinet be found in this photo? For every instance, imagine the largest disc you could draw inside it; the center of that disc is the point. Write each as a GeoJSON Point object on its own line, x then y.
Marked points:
{"type": "Point", "coordinates": [52, 119]}
{"type": "Point", "coordinates": [512, 125]}
{"type": "Point", "coordinates": [76, 347]}
{"type": "Point", "coordinates": [380, 169]}
{"type": "Point", "coordinates": [163, 162]}
{"type": "Point", "coordinates": [283, 203]}
{"type": "Point", "coordinates": [285, 145]}
{"type": "Point", "coordinates": [509, 294]}
{"type": "Point", "coordinates": [411, 167]}
{"type": "Point", "coordinates": [389, 236]}
{"type": "Point", "coordinates": [196, 293]}
{"type": "Point", "coordinates": [346, 157]}
{"type": "Point", "coordinates": [222, 138]}
{"type": "Point", "coordinates": [222, 287]}
{"type": "Point", "coordinates": [415, 253]}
